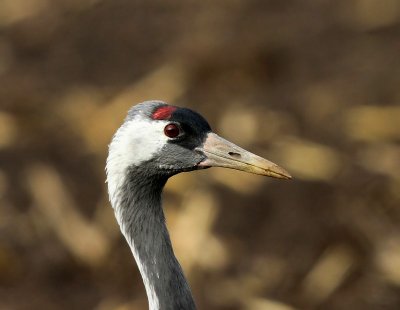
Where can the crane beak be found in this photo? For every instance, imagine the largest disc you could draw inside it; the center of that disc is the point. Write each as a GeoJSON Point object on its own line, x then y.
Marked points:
{"type": "Point", "coordinates": [222, 153]}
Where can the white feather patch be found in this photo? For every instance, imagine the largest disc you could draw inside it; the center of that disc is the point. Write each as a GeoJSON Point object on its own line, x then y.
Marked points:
{"type": "Point", "coordinates": [136, 141]}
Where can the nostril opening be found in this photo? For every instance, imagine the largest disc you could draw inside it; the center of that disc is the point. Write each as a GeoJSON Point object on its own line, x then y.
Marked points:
{"type": "Point", "coordinates": [235, 155]}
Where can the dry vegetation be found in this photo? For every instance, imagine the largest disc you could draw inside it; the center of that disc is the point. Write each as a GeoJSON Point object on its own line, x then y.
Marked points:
{"type": "Point", "coordinates": [311, 85]}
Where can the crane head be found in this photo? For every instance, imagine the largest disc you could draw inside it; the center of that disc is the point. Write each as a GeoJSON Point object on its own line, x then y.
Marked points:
{"type": "Point", "coordinates": [166, 140]}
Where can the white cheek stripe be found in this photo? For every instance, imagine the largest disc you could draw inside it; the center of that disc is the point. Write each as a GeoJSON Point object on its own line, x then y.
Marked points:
{"type": "Point", "coordinates": [135, 141]}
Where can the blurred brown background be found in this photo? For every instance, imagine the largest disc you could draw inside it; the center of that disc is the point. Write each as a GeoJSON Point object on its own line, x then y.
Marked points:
{"type": "Point", "coordinates": [311, 85]}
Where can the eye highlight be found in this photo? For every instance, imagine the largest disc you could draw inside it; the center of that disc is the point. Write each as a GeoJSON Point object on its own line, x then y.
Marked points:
{"type": "Point", "coordinates": [172, 130]}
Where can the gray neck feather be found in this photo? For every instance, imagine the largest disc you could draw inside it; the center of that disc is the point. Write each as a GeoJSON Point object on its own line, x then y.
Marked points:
{"type": "Point", "coordinates": [141, 218]}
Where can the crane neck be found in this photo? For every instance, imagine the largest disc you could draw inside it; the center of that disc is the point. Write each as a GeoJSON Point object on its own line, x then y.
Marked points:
{"type": "Point", "coordinates": [141, 218]}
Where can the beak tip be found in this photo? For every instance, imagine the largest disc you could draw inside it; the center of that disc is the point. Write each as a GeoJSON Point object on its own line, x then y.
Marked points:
{"type": "Point", "coordinates": [280, 173]}
{"type": "Point", "coordinates": [288, 177]}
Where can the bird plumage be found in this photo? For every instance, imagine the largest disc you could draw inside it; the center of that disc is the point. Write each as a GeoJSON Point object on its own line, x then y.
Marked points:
{"type": "Point", "coordinates": [143, 154]}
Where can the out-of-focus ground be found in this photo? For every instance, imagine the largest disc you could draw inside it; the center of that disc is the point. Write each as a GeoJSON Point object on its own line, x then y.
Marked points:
{"type": "Point", "coordinates": [311, 85]}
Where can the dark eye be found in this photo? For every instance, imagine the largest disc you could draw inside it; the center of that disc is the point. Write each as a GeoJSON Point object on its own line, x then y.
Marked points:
{"type": "Point", "coordinates": [172, 130]}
